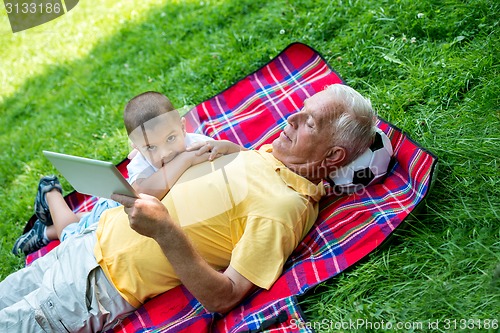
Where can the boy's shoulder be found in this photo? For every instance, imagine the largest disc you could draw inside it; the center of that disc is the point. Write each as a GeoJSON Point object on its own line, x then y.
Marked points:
{"type": "Point", "coordinates": [195, 138]}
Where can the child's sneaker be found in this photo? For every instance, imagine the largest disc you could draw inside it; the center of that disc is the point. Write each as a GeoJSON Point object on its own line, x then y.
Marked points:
{"type": "Point", "coordinates": [46, 184]}
{"type": "Point", "coordinates": [31, 241]}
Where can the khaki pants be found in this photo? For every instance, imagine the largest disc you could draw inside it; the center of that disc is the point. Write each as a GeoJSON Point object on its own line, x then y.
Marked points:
{"type": "Point", "coordinates": [64, 291]}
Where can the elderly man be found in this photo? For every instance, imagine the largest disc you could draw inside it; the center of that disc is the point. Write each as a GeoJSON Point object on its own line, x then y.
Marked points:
{"type": "Point", "coordinates": [225, 229]}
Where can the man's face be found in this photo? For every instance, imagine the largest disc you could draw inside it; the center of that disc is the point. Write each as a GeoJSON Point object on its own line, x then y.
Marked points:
{"type": "Point", "coordinates": [307, 138]}
{"type": "Point", "coordinates": [160, 139]}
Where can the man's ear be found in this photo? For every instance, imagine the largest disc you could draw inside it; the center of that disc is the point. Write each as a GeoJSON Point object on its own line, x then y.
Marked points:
{"type": "Point", "coordinates": [335, 156]}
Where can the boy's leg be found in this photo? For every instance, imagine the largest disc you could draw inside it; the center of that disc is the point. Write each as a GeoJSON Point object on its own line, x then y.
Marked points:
{"type": "Point", "coordinates": [89, 219]}
{"type": "Point", "coordinates": [61, 214]}
{"type": "Point", "coordinates": [53, 215]}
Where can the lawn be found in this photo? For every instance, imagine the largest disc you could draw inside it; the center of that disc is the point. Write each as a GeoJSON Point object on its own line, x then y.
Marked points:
{"type": "Point", "coordinates": [429, 67]}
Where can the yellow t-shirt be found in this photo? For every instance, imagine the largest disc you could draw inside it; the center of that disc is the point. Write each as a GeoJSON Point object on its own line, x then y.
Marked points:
{"type": "Point", "coordinates": [246, 210]}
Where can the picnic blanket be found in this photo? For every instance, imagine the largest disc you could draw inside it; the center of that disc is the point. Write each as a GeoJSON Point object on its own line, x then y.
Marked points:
{"type": "Point", "coordinates": [251, 113]}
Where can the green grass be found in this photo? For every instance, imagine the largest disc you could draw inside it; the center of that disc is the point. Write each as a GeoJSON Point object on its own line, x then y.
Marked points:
{"type": "Point", "coordinates": [430, 67]}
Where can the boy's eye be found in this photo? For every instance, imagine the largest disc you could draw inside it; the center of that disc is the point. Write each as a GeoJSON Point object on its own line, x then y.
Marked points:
{"type": "Point", "coordinates": [150, 148]}
{"type": "Point", "coordinates": [171, 138]}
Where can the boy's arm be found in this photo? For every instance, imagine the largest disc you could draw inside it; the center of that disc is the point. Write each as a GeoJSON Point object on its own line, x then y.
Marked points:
{"type": "Point", "coordinates": [216, 148]}
{"type": "Point", "coordinates": [159, 183]}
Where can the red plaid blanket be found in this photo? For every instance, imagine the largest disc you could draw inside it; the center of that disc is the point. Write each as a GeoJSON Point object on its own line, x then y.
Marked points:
{"type": "Point", "coordinates": [251, 113]}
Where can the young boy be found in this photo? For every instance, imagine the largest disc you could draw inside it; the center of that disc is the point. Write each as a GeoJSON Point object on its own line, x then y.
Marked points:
{"type": "Point", "coordinates": [162, 152]}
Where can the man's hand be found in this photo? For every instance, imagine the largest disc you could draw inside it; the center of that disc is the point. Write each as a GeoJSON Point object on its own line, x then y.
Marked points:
{"type": "Point", "coordinates": [218, 292]}
{"type": "Point", "coordinates": [146, 214]}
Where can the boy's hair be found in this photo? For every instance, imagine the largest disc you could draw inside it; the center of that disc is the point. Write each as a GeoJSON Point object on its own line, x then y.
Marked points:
{"type": "Point", "coordinates": [145, 107]}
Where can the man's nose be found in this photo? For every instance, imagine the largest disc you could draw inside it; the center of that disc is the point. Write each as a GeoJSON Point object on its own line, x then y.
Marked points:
{"type": "Point", "coordinates": [294, 119]}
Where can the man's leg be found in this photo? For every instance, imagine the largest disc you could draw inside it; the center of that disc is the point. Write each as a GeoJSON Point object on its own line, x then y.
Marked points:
{"type": "Point", "coordinates": [21, 316]}
{"type": "Point", "coordinates": [19, 284]}
{"type": "Point", "coordinates": [73, 293]}
{"type": "Point", "coordinates": [17, 296]}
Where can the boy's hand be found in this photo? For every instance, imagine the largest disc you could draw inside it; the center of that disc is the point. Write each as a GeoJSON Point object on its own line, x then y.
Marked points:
{"type": "Point", "coordinates": [195, 157]}
{"type": "Point", "coordinates": [132, 154]}
{"type": "Point", "coordinates": [216, 148]}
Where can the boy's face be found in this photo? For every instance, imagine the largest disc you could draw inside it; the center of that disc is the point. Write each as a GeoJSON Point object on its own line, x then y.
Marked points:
{"type": "Point", "coordinates": [160, 139]}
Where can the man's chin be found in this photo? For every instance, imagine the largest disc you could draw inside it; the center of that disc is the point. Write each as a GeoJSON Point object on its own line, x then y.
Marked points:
{"type": "Point", "coordinates": [278, 150]}
{"type": "Point", "coordinates": [276, 145]}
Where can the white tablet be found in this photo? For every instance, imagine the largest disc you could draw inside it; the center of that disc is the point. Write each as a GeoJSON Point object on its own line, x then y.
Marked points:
{"type": "Point", "coordinates": [92, 177]}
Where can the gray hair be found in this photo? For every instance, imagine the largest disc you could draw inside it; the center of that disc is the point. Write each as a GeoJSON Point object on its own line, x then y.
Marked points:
{"type": "Point", "coordinates": [354, 128]}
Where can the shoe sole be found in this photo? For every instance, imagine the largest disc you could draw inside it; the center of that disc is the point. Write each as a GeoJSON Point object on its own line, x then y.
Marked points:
{"type": "Point", "coordinates": [42, 211]}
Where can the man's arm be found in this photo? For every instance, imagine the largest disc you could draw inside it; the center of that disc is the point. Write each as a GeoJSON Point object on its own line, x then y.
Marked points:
{"type": "Point", "coordinates": [218, 292]}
